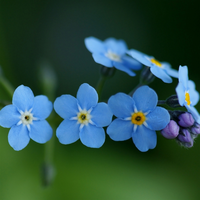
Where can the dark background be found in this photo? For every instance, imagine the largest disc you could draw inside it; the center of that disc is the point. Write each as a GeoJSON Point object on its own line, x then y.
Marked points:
{"type": "Point", "coordinates": [38, 32]}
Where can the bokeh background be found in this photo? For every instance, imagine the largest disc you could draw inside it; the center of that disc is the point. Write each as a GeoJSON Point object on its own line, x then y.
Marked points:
{"type": "Point", "coordinates": [34, 33]}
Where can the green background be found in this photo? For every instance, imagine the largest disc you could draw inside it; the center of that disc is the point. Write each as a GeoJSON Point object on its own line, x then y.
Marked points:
{"type": "Point", "coordinates": [34, 32]}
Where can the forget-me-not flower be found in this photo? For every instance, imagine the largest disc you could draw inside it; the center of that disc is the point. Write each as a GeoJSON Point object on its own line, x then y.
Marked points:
{"type": "Point", "coordinates": [26, 118]}
{"type": "Point", "coordinates": [161, 70]}
{"type": "Point", "coordinates": [112, 53]}
{"type": "Point", "coordinates": [187, 95]}
{"type": "Point", "coordinates": [83, 117]}
{"type": "Point", "coordinates": [138, 117]}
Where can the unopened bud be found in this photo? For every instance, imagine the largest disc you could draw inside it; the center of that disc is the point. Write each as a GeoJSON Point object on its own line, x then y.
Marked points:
{"type": "Point", "coordinates": [186, 120]}
{"type": "Point", "coordinates": [185, 138]}
{"type": "Point", "coordinates": [171, 131]}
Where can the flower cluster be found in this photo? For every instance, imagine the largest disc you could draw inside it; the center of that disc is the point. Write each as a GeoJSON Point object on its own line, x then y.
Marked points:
{"type": "Point", "coordinates": [137, 115]}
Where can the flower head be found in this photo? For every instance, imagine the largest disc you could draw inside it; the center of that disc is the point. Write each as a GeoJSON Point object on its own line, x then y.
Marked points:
{"type": "Point", "coordinates": [83, 117]}
{"type": "Point", "coordinates": [26, 118]}
{"type": "Point", "coordinates": [112, 53]}
{"type": "Point", "coordinates": [187, 95]}
{"type": "Point", "coordinates": [137, 117]}
{"type": "Point", "coordinates": [161, 70]}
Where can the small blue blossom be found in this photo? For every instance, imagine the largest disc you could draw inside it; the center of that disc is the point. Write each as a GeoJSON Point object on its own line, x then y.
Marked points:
{"type": "Point", "coordinates": [26, 118]}
{"type": "Point", "coordinates": [161, 70]}
{"type": "Point", "coordinates": [111, 53]}
{"type": "Point", "coordinates": [187, 95]}
{"type": "Point", "coordinates": [83, 117]}
{"type": "Point", "coordinates": [137, 117]}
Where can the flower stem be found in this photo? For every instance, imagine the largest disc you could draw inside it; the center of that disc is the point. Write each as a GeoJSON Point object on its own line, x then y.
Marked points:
{"type": "Point", "coordinates": [161, 102]}
{"type": "Point", "coordinates": [6, 85]}
{"type": "Point", "coordinates": [100, 85]}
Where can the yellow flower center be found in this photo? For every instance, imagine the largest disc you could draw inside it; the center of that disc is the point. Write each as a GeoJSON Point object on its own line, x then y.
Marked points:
{"type": "Point", "coordinates": [138, 118]}
{"type": "Point", "coordinates": [187, 98]}
{"type": "Point", "coordinates": [83, 117]}
{"type": "Point", "coordinates": [157, 63]}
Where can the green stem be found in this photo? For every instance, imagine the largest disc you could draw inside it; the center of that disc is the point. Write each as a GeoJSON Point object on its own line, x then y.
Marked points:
{"type": "Point", "coordinates": [100, 85]}
{"type": "Point", "coordinates": [139, 85]}
{"type": "Point", "coordinates": [6, 85]}
{"type": "Point", "coordinates": [161, 102]}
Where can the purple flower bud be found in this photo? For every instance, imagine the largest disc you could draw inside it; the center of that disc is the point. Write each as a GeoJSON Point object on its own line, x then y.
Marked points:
{"type": "Point", "coordinates": [186, 120]}
{"type": "Point", "coordinates": [185, 138]}
{"type": "Point", "coordinates": [171, 131]}
{"type": "Point", "coordinates": [196, 129]}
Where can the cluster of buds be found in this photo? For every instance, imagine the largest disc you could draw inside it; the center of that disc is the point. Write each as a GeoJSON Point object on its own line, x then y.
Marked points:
{"type": "Point", "coordinates": [182, 127]}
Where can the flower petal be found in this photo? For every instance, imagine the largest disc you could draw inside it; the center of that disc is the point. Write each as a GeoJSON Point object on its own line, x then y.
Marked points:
{"type": "Point", "coordinates": [101, 115]}
{"type": "Point", "coordinates": [9, 116]}
{"type": "Point", "coordinates": [158, 119]}
{"type": "Point", "coordinates": [42, 107]}
{"type": "Point", "coordinates": [180, 91]}
{"type": "Point", "coordinates": [161, 73]}
{"type": "Point", "coordinates": [116, 46]}
{"type": "Point", "coordinates": [121, 105]}
{"type": "Point", "coordinates": [144, 138]}
{"type": "Point", "coordinates": [18, 137]}
{"type": "Point", "coordinates": [87, 96]}
{"type": "Point", "coordinates": [139, 56]}
{"type": "Point", "coordinates": [94, 45]}
{"type": "Point", "coordinates": [170, 71]}
{"type": "Point", "coordinates": [145, 99]}
{"type": "Point", "coordinates": [66, 106]}
{"type": "Point", "coordinates": [131, 63]}
{"type": "Point", "coordinates": [102, 60]}
{"type": "Point", "coordinates": [120, 130]}
{"type": "Point", "coordinates": [23, 98]}
{"type": "Point", "coordinates": [68, 131]}
{"type": "Point", "coordinates": [92, 136]}
{"type": "Point", "coordinates": [194, 95]}
{"type": "Point", "coordinates": [194, 112]}
{"type": "Point", "coordinates": [123, 68]}
{"type": "Point", "coordinates": [183, 76]}
{"type": "Point", "coordinates": [41, 131]}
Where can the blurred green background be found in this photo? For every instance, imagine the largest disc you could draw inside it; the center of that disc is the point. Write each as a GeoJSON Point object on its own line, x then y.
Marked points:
{"type": "Point", "coordinates": [33, 32]}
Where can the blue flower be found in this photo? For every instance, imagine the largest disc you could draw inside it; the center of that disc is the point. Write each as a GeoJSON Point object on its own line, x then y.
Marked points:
{"type": "Point", "coordinates": [187, 95]}
{"type": "Point", "coordinates": [161, 70]}
{"type": "Point", "coordinates": [111, 53]}
{"type": "Point", "coordinates": [26, 118]}
{"type": "Point", "coordinates": [137, 117]}
{"type": "Point", "coordinates": [83, 117]}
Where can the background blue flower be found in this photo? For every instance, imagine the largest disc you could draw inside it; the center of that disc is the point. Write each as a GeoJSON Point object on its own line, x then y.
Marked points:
{"type": "Point", "coordinates": [112, 53]}
{"type": "Point", "coordinates": [187, 95]}
{"type": "Point", "coordinates": [26, 118]}
{"type": "Point", "coordinates": [137, 117]}
{"type": "Point", "coordinates": [83, 117]}
{"type": "Point", "coordinates": [161, 70]}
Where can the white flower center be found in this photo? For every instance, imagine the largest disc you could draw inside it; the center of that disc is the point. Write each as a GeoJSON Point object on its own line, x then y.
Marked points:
{"type": "Point", "coordinates": [113, 56]}
{"type": "Point", "coordinates": [26, 118]}
{"type": "Point", "coordinates": [83, 117]}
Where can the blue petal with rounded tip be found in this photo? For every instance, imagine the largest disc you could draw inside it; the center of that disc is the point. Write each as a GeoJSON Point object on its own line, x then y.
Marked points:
{"type": "Point", "coordinates": [66, 106]}
{"type": "Point", "coordinates": [42, 107]}
{"type": "Point", "coordinates": [180, 90]}
{"type": "Point", "coordinates": [144, 138]}
{"type": "Point", "coordinates": [18, 137]}
{"type": "Point", "coordinates": [101, 115]}
{"type": "Point", "coordinates": [145, 99]}
{"type": "Point", "coordinates": [92, 136]}
{"type": "Point", "coordinates": [94, 45]}
{"type": "Point", "coordinates": [161, 73]}
{"type": "Point", "coordinates": [120, 130]}
{"type": "Point", "coordinates": [68, 131]}
{"type": "Point", "coordinates": [131, 63]}
{"type": "Point", "coordinates": [102, 60]}
{"type": "Point", "coordinates": [9, 116]}
{"type": "Point", "coordinates": [123, 68]}
{"type": "Point", "coordinates": [23, 98]}
{"type": "Point", "coordinates": [183, 76]}
{"type": "Point", "coordinates": [41, 131]}
{"type": "Point", "coordinates": [121, 105]}
{"type": "Point", "coordinates": [158, 119]}
{"type": "Point", "coordinates": [116, 46]}
{"type": "Point", "coordinates": [87, 96]}
{"type": "Point", "coordinates": [194, 95]}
